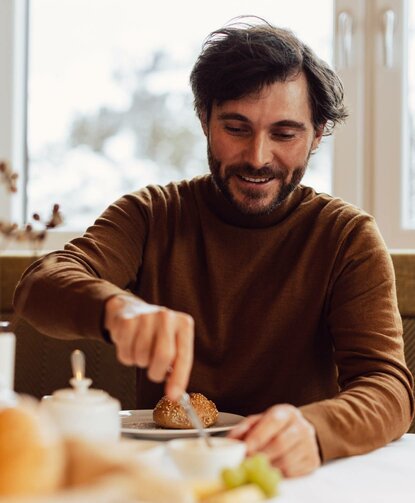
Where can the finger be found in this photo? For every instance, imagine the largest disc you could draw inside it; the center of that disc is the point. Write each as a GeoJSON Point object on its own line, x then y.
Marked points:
{"type": "Point", "coordinates": [297, 462]}
{"type": "Point", "coordinates": [295, 451]}
{"type": "Point", "coordinates": [274, 420]}
{"type": "Point", "coordinates": [115, 325]}
{"type": "Point", "coordinates": [123, 335]}
{"type": "Point", "coordinates": [163, 354]}
{"type": "Point", "coordinates": [291, 464]}
{"type": "Point", "coordinates": [121, 325]}
{"type": "Point", "coordinates": [282, 443]}
{"type": "Point", "coordinates": [143, 340]}
{"type": "Point", "coordinates": [179, 377]}
{"type": "Point", "coordinates": [244, 426]}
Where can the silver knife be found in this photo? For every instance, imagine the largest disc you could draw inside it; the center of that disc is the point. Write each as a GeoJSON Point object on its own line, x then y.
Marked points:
{"type": "Point", "coordinates": [194, 418]}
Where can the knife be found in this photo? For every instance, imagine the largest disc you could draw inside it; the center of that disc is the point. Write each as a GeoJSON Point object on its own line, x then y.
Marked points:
{"type": "Point", "coordinates": [194, 418]}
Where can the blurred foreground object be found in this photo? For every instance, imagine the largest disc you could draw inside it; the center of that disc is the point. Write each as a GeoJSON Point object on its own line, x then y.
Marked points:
{"type": "Point", "coordinates": [7, 353]}
{"type": "Point", "coordinates": [38, 466]}
{"type": "Point", "coordinates": [32, 457]}
{"type": "Point", "coordinates": [83, 412]}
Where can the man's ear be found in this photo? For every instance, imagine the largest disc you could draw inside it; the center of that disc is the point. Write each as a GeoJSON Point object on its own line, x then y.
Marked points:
{"type": "Point", "coordinates": [317, 137]}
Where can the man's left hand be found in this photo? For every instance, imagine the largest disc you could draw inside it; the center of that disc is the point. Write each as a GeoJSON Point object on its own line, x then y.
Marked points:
{"type": "Point", "coordinates": [284, 436]}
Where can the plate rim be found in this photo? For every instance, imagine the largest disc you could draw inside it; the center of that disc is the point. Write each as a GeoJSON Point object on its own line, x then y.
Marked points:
{"type": "Point", "coordinates": [159, 432]}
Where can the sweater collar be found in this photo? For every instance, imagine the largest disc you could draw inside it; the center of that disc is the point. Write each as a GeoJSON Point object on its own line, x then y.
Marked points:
{"type": "Point", "coordinates": [226, 211]}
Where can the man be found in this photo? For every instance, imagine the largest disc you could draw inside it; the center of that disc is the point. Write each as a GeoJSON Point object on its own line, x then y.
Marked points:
{"type": "Point", "coordinates": [269, 298]}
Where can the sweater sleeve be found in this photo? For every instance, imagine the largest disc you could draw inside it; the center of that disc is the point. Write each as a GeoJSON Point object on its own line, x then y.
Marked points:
{"type": "Point", "coordinates": [375, 403]}
{"type": "Point", "coordinates": [63, 294]}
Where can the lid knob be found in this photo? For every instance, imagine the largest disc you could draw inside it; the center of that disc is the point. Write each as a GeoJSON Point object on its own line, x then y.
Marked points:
{"type": "Point", "coordinates": [79, 381]}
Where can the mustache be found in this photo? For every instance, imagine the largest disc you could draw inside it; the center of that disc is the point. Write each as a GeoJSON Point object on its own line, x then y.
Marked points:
{"type": "Point", "coordinates": [247, 170]}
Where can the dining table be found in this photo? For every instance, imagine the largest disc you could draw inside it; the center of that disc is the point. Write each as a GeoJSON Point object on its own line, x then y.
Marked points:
{"type": "Point", "coordinates": [385, 475]}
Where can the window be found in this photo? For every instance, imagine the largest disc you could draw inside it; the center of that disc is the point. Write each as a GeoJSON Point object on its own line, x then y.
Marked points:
{"type": "Point", "coordinates": [374, 152]}
{"type": "Point", "coordinates": [109, 108]}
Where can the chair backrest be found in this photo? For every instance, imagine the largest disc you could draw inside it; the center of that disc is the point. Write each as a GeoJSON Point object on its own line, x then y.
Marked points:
{"type": "Point", "coordinates": [404, 264]}
{"type": "Point", "coordinates": [43, 363]}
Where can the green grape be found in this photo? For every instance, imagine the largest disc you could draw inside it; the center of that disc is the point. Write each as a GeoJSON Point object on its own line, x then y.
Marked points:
{"type": "Point", "coordinates": [255, 463]}
{"type": "Point", "coordinates": [234, 477]}
{"type": "Point", "coordinates": [267, 480]}
{"type": "Point", "coordinates": [260, 472]}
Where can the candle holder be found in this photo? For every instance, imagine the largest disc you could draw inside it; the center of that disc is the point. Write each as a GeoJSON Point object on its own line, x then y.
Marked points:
{"type": "Point", "coordinates": [7, 355]}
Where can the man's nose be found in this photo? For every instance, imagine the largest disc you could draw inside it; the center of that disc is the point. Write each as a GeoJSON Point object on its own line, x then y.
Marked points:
{"type": "Point", "coordinates": [259, 151]}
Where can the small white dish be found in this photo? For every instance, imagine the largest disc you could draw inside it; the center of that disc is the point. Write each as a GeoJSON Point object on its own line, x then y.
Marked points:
{"type": "Point", "coordinates": [146, 451]}
{"type": "Point", "coordinates": [195, 460]}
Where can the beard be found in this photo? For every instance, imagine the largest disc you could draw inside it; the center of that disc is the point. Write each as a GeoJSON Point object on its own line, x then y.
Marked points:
{"type": "Point", "coordinates": [252, 198]}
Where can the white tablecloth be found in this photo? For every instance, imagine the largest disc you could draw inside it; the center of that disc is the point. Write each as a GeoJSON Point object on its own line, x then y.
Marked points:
{"type": "Point", "coordinates": [386, 475]}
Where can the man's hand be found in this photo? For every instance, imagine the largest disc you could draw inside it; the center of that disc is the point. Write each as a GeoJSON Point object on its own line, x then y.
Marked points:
{"type": "Point", "coordinates": [152, 337]}
{"type": "Point", "coordinates": [285, 436]}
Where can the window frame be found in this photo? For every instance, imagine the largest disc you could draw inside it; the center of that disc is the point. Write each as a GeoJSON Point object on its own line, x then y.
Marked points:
{"type": "Point", "coordinates": [14, 33]}
{"type": "Point", "coordinates": [375, 130]}
{"type": "Point", "coordinates": [9, 101]}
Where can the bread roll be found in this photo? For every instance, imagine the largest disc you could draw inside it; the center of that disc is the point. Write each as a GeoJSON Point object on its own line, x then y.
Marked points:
{"type": "Point", "coordinates": [31, 462]}
{"type": "Point", "coordinates": [92, 464]}
{"type": "Point", "coordinates": [169, 414]}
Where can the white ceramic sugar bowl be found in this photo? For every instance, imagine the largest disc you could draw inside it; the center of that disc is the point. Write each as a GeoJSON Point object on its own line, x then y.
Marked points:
{"type": "Point", "coordinates": [83, 412]}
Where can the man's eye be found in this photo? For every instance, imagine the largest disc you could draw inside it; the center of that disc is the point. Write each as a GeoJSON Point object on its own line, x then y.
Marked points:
{"type": "Point", "coordinates": [236, 130]}
{"type": "Point", "coordinates": [283, 136]}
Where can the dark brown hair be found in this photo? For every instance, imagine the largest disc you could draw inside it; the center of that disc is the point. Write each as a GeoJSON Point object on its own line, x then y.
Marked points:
{"type": "Point", "coordinates": [241, 59]}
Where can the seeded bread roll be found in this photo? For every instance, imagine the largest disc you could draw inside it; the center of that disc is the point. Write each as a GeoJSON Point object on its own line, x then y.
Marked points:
{"type": "Point", "coordinates": [169, 414]}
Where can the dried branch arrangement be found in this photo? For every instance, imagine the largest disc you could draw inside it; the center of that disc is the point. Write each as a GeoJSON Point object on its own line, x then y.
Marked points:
{"type": "Point", "coordinates": [8, 176]}
{"type": "Point", "coordinates": [35, 232]}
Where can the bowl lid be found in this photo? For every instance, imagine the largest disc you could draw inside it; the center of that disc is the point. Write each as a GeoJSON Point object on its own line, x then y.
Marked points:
{"type": "Point", "coordinates": [80, 393]}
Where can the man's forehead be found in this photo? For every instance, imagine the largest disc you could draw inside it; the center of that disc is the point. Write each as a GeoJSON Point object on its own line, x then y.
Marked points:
{"type": "Point", "coordinates": [277, 101]}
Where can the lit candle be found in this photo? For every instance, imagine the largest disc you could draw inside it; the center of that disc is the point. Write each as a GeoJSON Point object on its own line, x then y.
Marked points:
{"type": "Point", "coordinates": [7, 349]}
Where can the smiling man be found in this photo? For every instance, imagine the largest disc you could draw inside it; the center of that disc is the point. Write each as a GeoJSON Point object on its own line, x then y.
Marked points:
{"type": "Point", "coordinates": [273, 300]}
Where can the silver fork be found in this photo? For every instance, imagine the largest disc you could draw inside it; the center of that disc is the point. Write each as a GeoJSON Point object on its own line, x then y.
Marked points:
{"type": "Point", "coordinates": [194, 418]}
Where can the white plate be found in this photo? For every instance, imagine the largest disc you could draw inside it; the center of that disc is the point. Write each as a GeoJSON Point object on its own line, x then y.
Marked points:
{"type": "Point", "coordinates": [140, 424]}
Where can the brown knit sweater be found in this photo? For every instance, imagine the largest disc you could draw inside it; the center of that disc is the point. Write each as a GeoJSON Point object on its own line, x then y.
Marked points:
{"type": "Point", "coordinates": [297, 306]}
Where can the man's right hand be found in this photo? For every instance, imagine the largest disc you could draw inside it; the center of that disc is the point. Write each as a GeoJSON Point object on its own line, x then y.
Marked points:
{"type": "Point", "coordinates": [152, 337]}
